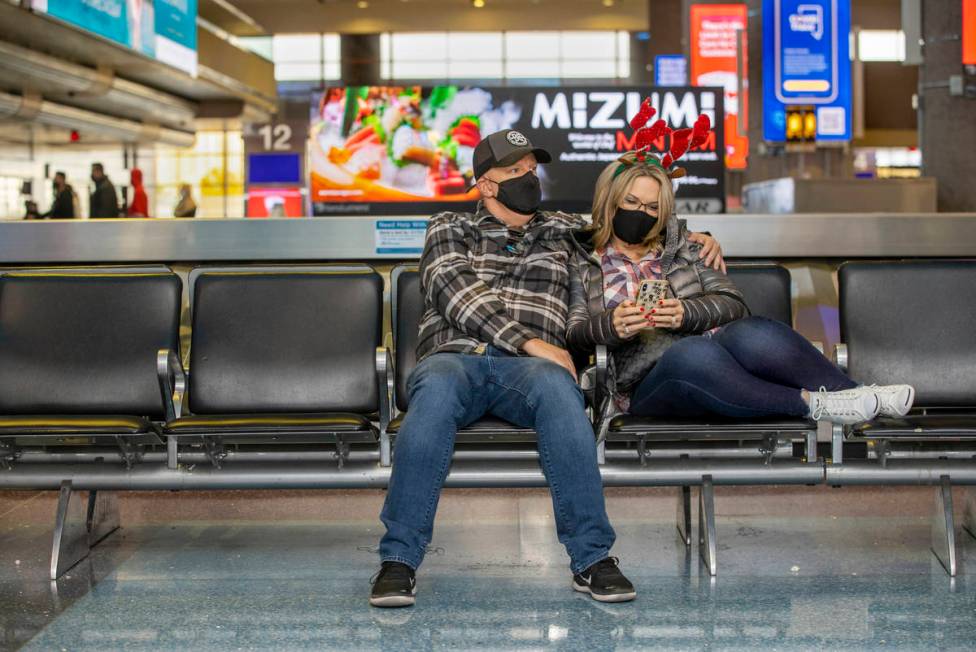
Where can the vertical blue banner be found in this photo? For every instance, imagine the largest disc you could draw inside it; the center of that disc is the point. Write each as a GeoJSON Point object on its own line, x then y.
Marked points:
{"type": "Point", "coordinates": [163, 29]}
{"type": "Point", "coordinates": [176, 20]}
{"type": "Point", "coordinates": [107, 18]}
{"type": "Point", "coordinates": [806, 62]}
{"type": "Point", "coordinates": [176, 34]}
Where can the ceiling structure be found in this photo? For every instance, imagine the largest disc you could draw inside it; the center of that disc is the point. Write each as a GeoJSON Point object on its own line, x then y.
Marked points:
{"type": "Point", "coordinates": [346, 16]}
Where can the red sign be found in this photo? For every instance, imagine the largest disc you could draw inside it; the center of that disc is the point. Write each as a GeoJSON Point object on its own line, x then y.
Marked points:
{"type": "Point", "coordinates": [715, 62]}
{"type": "Point", "coordinates": [969, 32]}
{"type": "Point", "coordinates": [275, 202]}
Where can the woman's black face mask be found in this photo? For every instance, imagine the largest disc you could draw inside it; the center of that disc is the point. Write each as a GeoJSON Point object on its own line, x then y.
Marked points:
{"type": "Point", "coordinates": [522, 194]}
{"type": "Point", "coordinates": [632, 226]}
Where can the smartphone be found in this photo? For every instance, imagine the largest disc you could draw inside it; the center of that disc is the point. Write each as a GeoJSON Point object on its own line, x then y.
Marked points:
{"type": "Point", "coordinates": [650, 292]}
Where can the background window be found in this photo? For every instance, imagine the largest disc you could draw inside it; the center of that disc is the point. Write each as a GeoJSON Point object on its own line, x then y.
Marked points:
{"type": "Point", "coordinates": [881, 45]}
{"type": "Point", "coordinates": [457, 56]}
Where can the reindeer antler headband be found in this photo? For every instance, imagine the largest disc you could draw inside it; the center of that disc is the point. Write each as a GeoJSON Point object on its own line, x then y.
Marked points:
{"type": "Point", "coordinates": [681, 141]}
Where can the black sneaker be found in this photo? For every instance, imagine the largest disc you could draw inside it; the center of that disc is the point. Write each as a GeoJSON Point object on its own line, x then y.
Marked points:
{"type": "Point", "coordinates": [394, 586]}
{"type": "Point", "coordinates": [604, 582]}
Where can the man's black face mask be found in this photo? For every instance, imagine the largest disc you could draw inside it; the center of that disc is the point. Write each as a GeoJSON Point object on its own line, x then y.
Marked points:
{"type": "Point", "coordinates": [522, 194]}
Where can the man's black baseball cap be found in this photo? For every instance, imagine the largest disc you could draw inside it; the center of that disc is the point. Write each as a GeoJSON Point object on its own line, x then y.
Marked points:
{"type": "Point", "coordinates": [504, 148]}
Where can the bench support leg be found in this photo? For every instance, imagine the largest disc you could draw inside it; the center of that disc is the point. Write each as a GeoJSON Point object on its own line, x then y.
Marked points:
{"type": "Point", "coordinates": [70, 543]}
{"type": "Point", "coordinates": [386, 450]}
{"type": "Point", "coordinates": [943, 527]}
{"type": "Point", "coordinates": [837, 444]}
{"type": "Point", "coordinates": [812, 457]}
{"type": "Point", "coordinates": [103, 515]}
{"type": "Point", "coordinates": [172, 453]}
{"type": "Point", "coordinates": [684, 514]}
{"type": "Point", "coordinates": [969, 513]}
{"type": "Point", "coordinates": [706, 525]}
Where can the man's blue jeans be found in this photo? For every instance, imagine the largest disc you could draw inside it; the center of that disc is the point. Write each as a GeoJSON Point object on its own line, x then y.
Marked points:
{"type": "Point", "coordinates": [449, 391]}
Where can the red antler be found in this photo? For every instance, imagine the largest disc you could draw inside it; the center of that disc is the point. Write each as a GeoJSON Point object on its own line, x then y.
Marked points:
{"type": "Point", "coordinates": [645, 113]}
{"type": "Point", "coordinates": [647, 135]}
{"type": "Point", "coordinates": [680, 140]}
{"type": "Point", "coordinates": [700, 131]}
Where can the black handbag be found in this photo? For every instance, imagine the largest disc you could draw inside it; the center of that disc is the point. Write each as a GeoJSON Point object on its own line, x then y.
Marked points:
{"type": "Point", "coordinates": [633, 360]}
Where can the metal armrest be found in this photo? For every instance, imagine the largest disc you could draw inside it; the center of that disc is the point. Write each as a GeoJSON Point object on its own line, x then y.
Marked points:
{"type": "Point", "coordinates": [840, 356]}
{"type": "Point", "coordinates": [602, 388]}
{"type": "Point", "coordinates": [603, 410]}
{"type": "Point", "coordinates": [172, 382]}
{"type": "Point", "coordinates": [838, 433]}
{"type": "Point", "coordinates": [384, 385]}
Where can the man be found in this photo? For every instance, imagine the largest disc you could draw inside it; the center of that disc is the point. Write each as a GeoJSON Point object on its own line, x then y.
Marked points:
{"type": "Point", "coordinates": [104, 201]}
{"type": "Point", "coordinates": [492, 341]}
{"type": "Point", "coordinates": [63, 207]}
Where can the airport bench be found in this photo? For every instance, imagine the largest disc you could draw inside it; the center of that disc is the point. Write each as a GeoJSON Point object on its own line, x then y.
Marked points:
{"type": "Point", "coordinates": [289, 387]}
{"type": "Point", "coordinates": [280, 355]}
{"type": "Point", "coordinates": [77, 351]}
{"type": "Point", "coordinates": [911, 321]}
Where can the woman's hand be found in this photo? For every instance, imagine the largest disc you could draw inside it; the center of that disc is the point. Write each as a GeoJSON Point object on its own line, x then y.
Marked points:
{"type": "Point", "coordinates": [628, 319]}
{"type": "Point", "coordinates": [711, 251]}
{"type": "Point", "coordinates": [668, 314]}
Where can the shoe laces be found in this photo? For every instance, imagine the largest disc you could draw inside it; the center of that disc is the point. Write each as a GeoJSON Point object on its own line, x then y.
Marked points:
{"type": "Point", "coordinates": [608, 565]}
{"type": "Point", "coordinates": [842, 405]}
{"type": "Point", "coordinates": [394, 570]}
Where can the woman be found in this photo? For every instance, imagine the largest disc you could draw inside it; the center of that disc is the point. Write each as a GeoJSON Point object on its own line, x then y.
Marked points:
{"type": "Point", "coordinates": [186, 207]}
{"type": "Point", "coordinates": [140, 200]}
{"type": "Point", "coordinates": [698, 353]}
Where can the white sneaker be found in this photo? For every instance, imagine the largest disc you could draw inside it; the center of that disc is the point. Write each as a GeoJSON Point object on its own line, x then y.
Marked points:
{"type": "Point", "coordinates": [896, 400]}
{"type": "Point", "coordinates": [845, 407]}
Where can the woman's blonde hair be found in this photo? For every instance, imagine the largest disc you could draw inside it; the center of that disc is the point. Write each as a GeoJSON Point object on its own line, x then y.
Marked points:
{"type": "Point", "coordinates": [612, 187]}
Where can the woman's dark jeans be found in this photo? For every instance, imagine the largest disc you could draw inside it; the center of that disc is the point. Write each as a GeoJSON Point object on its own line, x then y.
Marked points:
{"type": "Point", "coordinates": [753, 367]}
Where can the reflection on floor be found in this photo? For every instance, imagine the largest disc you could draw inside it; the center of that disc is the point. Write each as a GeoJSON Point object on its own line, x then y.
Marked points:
{"type": "Point", "coordinates": [809, 569]}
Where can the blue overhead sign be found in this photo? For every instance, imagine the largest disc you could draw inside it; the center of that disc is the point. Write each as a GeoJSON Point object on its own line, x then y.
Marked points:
{"type": "Point", "coordinates": [670, 70]}
{"type": "Point", "coordinates": [163, 29]}
{"type": "Point", "coordinates": [806, 62]}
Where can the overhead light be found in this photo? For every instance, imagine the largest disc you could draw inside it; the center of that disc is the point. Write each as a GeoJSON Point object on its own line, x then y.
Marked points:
{"type": "Point", "coordinates": [362, 4]}
{"type": "Point", "coordinates": [477, 4]}
{"type": "Point", "coordinates": [608, 3]}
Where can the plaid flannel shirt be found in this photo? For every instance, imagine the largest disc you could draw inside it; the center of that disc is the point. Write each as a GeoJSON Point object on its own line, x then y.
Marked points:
{"type": "Point", "coordinates": [622, 276]}
{"type": "Point", "coordinates": [484, 283]}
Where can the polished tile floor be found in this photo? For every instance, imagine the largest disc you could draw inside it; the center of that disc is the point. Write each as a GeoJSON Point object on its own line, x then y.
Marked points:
{"type": "Point", "coordinates": [799, 569]}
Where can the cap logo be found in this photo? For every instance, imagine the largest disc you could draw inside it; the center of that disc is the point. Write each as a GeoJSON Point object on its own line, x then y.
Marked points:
{"type": "Point", "coordinates": [517, 139]}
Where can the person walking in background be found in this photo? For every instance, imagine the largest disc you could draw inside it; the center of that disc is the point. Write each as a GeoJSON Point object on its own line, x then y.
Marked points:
{"type": "Point", "coordinates": [104, 201]}
{"type": "Point", "coordinates": [140, 200]}
{"type": "Point", "coordinates": [186, 206]}
{"type": "Point", "coordinates": [63, 207]}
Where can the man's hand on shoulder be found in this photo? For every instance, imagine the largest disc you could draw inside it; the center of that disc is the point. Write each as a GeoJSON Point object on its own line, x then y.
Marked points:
{"type": "Point", "coordinates": [538, 348]}
{"type": "Point", "coordinates": [711, 251]}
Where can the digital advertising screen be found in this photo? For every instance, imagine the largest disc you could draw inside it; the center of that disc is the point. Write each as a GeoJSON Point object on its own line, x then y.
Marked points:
{"type": "Point", "coordinates": [409, 150]}
{"type": "Point", "coordinates": [719, 58]}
